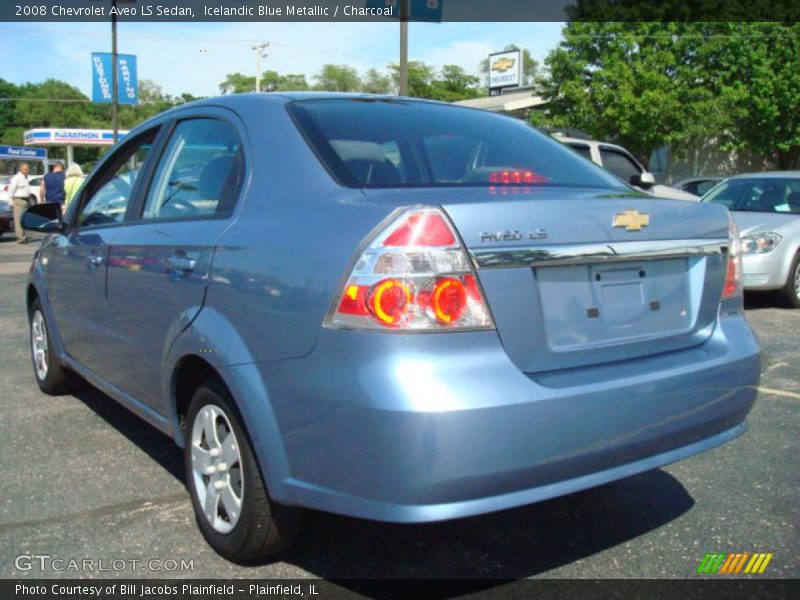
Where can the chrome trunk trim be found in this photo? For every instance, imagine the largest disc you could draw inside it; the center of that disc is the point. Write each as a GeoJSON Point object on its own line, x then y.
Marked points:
{"type": "Point", "coordinates": [577, 254]}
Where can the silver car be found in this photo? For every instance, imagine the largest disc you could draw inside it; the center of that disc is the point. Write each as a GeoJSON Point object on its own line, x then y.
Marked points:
{"type": "Point", "coordinates": [766, 208]}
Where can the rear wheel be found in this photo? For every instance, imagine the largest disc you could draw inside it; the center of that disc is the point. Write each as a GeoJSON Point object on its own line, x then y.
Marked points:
{"type": "Point", "coordinates": [51, 376]}
{"type": "Point", "coordinates": [791, 291]}
{"type": "Point", "coordinates": [231, 503]}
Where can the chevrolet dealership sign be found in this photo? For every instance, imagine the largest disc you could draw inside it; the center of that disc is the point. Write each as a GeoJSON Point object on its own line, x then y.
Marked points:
{"type": "Point", "coordinates": [505, 69]}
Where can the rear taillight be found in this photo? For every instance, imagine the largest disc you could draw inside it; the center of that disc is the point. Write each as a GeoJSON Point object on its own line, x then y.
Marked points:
{"type": "Point", "coordinates": [733, 273]}
{"type": "Point", "coordinates": [414, 275]}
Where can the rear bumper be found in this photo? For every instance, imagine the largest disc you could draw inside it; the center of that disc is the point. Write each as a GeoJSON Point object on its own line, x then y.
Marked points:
{"type": "Point", "coordinates": [433, 427]}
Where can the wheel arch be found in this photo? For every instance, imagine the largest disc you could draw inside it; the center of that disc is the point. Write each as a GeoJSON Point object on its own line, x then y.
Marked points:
{"type": "Point", "coordinates": [210, 349]}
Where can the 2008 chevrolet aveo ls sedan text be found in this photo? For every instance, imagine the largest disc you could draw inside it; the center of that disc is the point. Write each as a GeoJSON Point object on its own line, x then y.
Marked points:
{"type": "Point", "coordinates": [387, 308]}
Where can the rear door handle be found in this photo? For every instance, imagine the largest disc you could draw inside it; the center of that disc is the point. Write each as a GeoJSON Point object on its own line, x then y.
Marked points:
{"type": "Point", "coordinates": [181, 263]}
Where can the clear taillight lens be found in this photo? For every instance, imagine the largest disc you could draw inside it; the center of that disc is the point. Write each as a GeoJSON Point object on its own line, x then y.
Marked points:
{"type": "Point", "coordinates": [413, 276]}
{"type": "Point", "coordinates": [733, 275]}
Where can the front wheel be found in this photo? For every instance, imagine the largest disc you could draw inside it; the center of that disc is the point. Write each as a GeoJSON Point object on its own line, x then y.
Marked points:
{"type": "Point", "coordinates": [231, 504]}
{"type": "Point", "coordinates": [52, 377]}
{"type": "Point", "coordinates": [791, 291]}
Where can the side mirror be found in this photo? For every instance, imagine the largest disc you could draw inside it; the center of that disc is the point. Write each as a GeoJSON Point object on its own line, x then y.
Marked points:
{"type": "Point", "coordinates": [44, 218]}
{"type": "Point", "coordinates": [643, 180]}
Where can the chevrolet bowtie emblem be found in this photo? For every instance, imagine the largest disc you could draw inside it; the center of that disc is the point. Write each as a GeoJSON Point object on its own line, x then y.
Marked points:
{"type": "Point", "coordinates": [503, 64]}
{"type": "Point", "coordinates": [631, 220]}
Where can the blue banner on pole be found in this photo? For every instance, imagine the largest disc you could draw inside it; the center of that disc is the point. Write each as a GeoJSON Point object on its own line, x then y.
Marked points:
{"type": "Point", "coordinates": [127, 78]}
{"type": "Point", "coordinates": [418, 10]}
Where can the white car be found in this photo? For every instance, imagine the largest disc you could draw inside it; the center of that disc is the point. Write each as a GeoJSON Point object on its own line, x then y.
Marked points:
{"type": "Point", "coordinates": [766, 208]}
{"type": "Point", "coordinates": [622, 163]}
{"type": "Point", "coordinates": [34, 181]}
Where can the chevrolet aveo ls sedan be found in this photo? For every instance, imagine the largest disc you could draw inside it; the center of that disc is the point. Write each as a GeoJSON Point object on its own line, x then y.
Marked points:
{"type": "Point", "coordinates": [387, 308]}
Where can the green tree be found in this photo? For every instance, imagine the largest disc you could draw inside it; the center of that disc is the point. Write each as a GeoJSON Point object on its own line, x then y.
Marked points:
{"type": "Point", "coordinates": [375, 82]}
{"type": "Point", "coordinates": [647, 85]}
{"type": "Point", "coordinates": [758, 82]}
{"type": "Point", "coordinates": [237, 83]}
{"type": "Point", "coordinates": [337, 78]}
{"type": "Point", "coordinates": [272, 81]}
{"type": "Point", "coordinates": [641, 84]}
{"type": "Point", "coordinates": [420, 77]}
{"type": "Point", "coordinates": [530, 67]}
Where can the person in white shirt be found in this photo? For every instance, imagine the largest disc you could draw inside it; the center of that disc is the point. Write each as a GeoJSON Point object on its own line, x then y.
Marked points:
{"type": "Point", "coordinates": [19, 190]}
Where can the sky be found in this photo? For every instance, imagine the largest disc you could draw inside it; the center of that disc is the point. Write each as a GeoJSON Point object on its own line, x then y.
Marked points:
{"type": "Point", "coordinates": [196, 57]}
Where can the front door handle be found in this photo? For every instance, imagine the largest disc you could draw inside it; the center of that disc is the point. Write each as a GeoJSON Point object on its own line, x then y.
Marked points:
{"type": "Point", "coordinates": [183, 264]}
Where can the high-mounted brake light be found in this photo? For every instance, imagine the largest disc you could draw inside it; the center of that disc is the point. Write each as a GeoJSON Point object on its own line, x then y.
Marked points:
{"type": "Point", "coordinates": [521, 177]}
{"type": "Point", "coordinates": [414, 276]}
{"type": "Point", "coordinates": [733, 272]}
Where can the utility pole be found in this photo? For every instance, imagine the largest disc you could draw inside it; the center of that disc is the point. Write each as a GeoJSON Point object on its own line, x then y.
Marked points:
{"type": "Point", "coordinates": [404, 14]}
{"type": "Point", "coordinates": [259, 50]}
{"type": "Point", "coordinates": [114, 82]}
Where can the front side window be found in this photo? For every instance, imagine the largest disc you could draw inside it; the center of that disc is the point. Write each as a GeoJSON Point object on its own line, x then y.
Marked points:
{"type": "Point", "coordinates": [397, 143]}
{"type": "Point", "coordinates": [199, 174]}
{"type": "Point", "coordinates": [110, 193]}
{"type": "Point", "coordinates": [619, 163]}
{"type": "Point", "coordinates": [770, 195]}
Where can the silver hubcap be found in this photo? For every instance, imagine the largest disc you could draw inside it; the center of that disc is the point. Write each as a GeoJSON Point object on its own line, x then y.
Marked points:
{"type": "Point", "coordinates": [797, 281]}
{"type": "Point", "coordinates": [39, 345]}
{"type": "Point", "coordinates": [217, 468]}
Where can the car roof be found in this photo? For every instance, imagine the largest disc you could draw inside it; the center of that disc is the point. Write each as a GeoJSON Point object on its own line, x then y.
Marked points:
{"type": "Point", "coordinates": [769, 175]}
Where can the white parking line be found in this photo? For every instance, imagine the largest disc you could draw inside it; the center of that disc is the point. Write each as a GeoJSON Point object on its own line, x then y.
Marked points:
{"type": "Point", "coordinates": [767, 390]}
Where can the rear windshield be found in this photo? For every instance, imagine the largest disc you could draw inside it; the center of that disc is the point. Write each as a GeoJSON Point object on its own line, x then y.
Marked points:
{"type": "Point", "coordinates": [388, 143]}
{"type": "Point", "coordinates": [768, 194]}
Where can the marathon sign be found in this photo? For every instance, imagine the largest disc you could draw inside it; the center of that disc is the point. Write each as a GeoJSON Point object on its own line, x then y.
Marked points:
{"type": "Point", "coordinates": [77, 137]}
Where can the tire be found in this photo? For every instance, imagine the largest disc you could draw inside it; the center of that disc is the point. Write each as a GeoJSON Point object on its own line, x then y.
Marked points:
{"type": "Point", "coordinates": [262, 527]}
{"type": "Point", "coordinates": [53, 378]}
{"type": "Point", "coordinates": [791, 291]}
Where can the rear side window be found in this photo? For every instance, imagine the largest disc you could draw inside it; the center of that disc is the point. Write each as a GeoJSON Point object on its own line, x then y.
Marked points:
{"type": "Point", "coordinates": [582, 149]}
{"type": "Point", "coordinates": [379, 143]}
{"type": "Point", "coordinates": [619, 163]}
{"type": "Point", "coordinates": [199, 173]}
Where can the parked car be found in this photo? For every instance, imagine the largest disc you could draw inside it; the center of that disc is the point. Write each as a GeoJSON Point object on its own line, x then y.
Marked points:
{"type": "Point", "coordinates": [35, 183]}
{"type": "Point", "coordinates": [766, 208]}
{"type": "Point", "coordinates": [393, 309]}
{"type": "Point", "coordinates": [6, 216]}
{"type": "Point", "coordinates": [5, 184]}
{"type": "Point", "coordinates": [622, 163]}
{"type": "Point", "coordinates": [698, 186]}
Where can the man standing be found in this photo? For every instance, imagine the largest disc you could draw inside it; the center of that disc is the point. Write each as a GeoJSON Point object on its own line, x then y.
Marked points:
{"type": "Point", "coordinates": [53, 185]}
{"type": "Point", "coordinates": [19, 190]}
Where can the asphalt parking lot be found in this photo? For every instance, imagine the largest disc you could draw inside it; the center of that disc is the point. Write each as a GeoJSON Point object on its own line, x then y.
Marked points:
{"type": "Point", "coordinates": [83, 478]}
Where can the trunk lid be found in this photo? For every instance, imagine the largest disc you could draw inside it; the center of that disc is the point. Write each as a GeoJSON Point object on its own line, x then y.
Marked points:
{"type": "Point", "coordinates": [567, 288]}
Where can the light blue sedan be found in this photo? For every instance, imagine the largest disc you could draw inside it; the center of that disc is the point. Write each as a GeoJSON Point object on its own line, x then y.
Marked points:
{"type": "Point", "coordinates": [387, 308]}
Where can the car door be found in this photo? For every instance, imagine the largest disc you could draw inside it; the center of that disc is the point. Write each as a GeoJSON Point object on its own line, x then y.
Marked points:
{"type": "Point", "coordinates": [159, 264]}
{"type": "Point", "coordinates": [76, 261]}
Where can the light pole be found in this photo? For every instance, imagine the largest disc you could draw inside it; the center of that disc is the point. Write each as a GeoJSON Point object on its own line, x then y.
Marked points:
{"type": "Point", "coordinates": [114, 82]}
{"type": "Point", "coordinates": [404, 14]}
{"type": "Point", "coordinates": [114, 74]}
{"type": "Point", "coordinates": [259, 50]}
